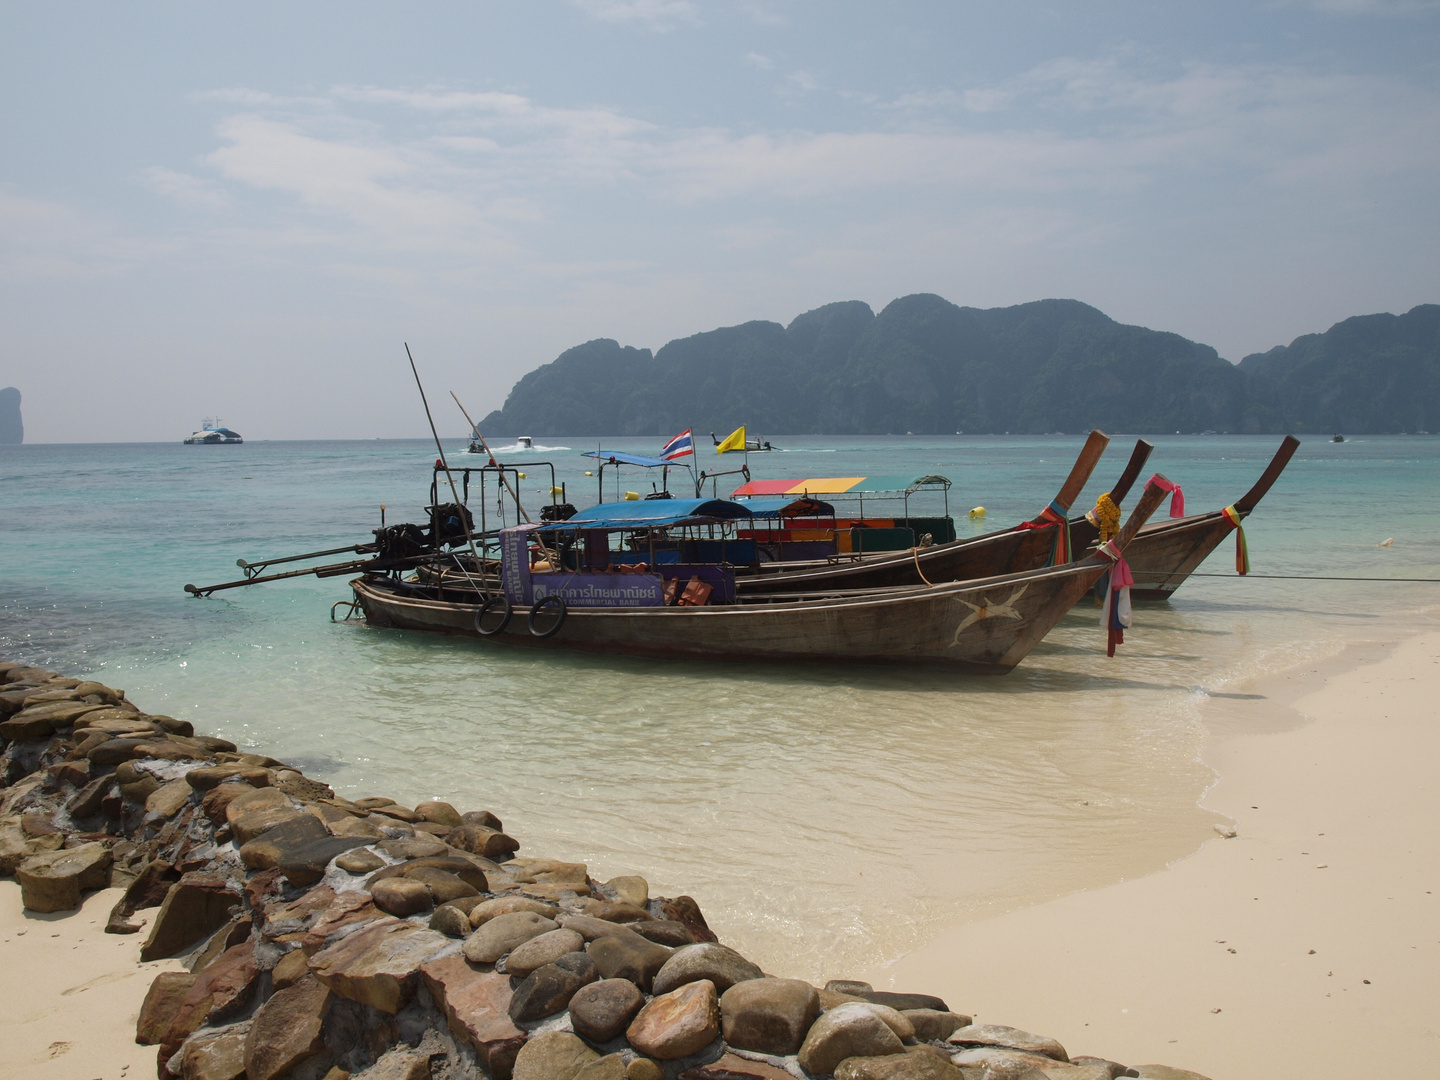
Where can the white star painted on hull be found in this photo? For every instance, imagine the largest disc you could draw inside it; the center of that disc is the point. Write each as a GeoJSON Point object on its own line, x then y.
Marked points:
{"type": "Point", "coordinates": [986, 610]}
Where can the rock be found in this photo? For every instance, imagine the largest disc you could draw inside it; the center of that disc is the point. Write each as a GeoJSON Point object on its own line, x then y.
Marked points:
{"type": "Point", "coordinates": [236, 932]}
{"type": "Point", "coordinates": [378, 965]}
{"type": "Point", "coordinates": [920, 1066]}
{"type": "Point", "coordinates": [482, 817]}
{"type": "Point", "coordinates": [677, 1024]}
{"type": "Point", "coordinates": [476, 1006]}
{"type": "Point", "coordinates": [194, 908]}
{"type": "Point", "coordinates": [545, 991]}
{"type": "Point", "coordinates": [590, 928]}
{"type": "Point", "coordinates": [396, 811]}
{"type": "Point", "coordinates": [549, 872]}
{"type": "Point", "coordinates": [254, 821]}
{"type": "Point", "coordinates": [483, 841]}
{"type": "Point", "coordinates": [443, 885]}
{"type": "Point", "coordinates": [556, 1055]}
{"type": "Point", "coordinates": [215, 803]}
{"type": "Point", "coordinates": [603, 1010]}
{"type": "Point", "coordinates": [850, 1030]}
{"type": "Point", "coordinates": [1166, 1072]}
{"type": "Point", "coordinates": [1001, 1060]}
{"type": "Point", "coordinates": [86, 802]}
{"type": "Point", "coordinates": [932, 1025]}
{"type": "Point", "coordinates": [289, 969]}
{"type": "Point", "coordinates": [215, 1056]}
{"type": "Point", "coordinates": [169, 799]}
{"type": "Point", "coordinates": [400, 1063]}
{"type": "Point", "coordinates": [503, 933]}
{"type": "Point", "coordinates": [684, 909]}
{"type": "Point", "coordinates": [140, 789]}
{"type": "Point", "coordinates": [287, 1030]}
{"type": "Point", "coordinates": [1014, 1038]}
{"type": "Point", "coordinates": [630, 889]}
{"type": "Point", "coordinates": [413, 848]}
{"type": "Point", "coordinates": [503, 905]}
{"type": "Point", "coordinates": [450, 921]}
{"type": "Point", "coordinates": [219, 991]}
{"type": "Point", "coordinates": [628, 956]}
{"type": "Point", "coordinates": [609, 1067]}
{"type": "Point", "coordinates": [1114, 1068]}
{"type": "Point", "coordinates": [348, 909]}
{"type": "Point", "coordinates": [269, 848]}
{"type": "Point", "coordinates": [611, 911]}
{"type": "Point", "coordinates": [346, 825]}
{"type": "Point", "coordinates": [207, 777]}
{"type": "Point", "coordinates": [544, 949]}
{"type": "Point", "coordinates": [441, 813]}
{"type": "Point", "coordinates": [771, 1016]}
{"type": "Point", "coordinates": [53, 881]}
{"type": "Point", "coordinates": [902, 1002]}
{"type": "Point", "coordinates": [894, 1020]}
{"type": "Point", "coordinates": [401, 896]}
{"type": "Point", "coordinates": [644, 1069]}
{"type": "Point", "coordinates": [581, 964]}
{"type": "Point", "coordinates": [664, 932]}
{"type": "Point", "coordinates": [359, 861]}
{"type": "Point", "coordinates": [727, 1067]}
{"type": "Point", "coordinates": [457, 865]}
{"type": "Point", "coordinates": [162, 1002]}
{"type": "Point", "coordinates": [718, 963]}
{"type": "Point", "coordinates": [305, 864]}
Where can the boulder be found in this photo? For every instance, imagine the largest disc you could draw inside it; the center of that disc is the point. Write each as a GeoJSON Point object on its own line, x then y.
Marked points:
{"type": "Point", "coordinates": [169, 799]}
{"type": "Point", "coordinates": [215, 1055]}
{"type": "Point", "coordinates": [194, 908]}
{"type": "Point", "coordinates": [581, 964]}
{"type": "Point", "coordinates": [720, 964]}
{"type": "Point", "coordinates": [441, 813]}
{"type": "Point", "coordinates": [269, 848]}
{"type": "Point", "coordinates": [482, 841]}
{"type": "Point", "coordinates": [401, 896]}
{"type": "Point", "coordinates": [999, 1059]}
{"type": "Point", "coordinates": [556, 1055]}
{"type": "Point", "coordinates": [630, 889]}
{"type": "Point", "coordinates": [627, 956]}
{"type": "Point", "coordinates": [450, 921]}
{"type": "Point", "coordinates": [544, 992]}
{"type": "Point", "coordinates": [904, 1002]}
{"type": "Point", "coordinates": [1014, 1038]}
{"type": "Point", "coordinates": [305, 864]}
{"type": "Point", "coordinates": [609, 1067]}
{"type": "Point", "coordinates": [207, 777]}
{"type": "Point", "coordinates": [220, 990]}
{"type": "Point", "coordinates": [544, 949]}
{"type": "Point", "coordinates": [1166, 1072]}
{"type": "Point", "coordinates": [476, 1007]}
{"type": "Point", "coordinates": [482, 817]}
{"type": "Point", "coordinates": [162, 1002]}
{"type": "Point", "coordinates": [462, 867]}
{"type": "Point", "coordinates": [603, 1010]}
{"type": "Point", "coordinates": [853, 1029]}
{"type": "Point", "coordinates": [378, 965]}
{"type": "Point", "coordinates": [664, 932]}
{"type": "Point", "coordinates": [54, 880]}
{"type": "Point", "coordinates": [771, 1016]}
{"type": "Point", "coordinates": [215, 803]}
{"type": "Point", "coordinates": [442, 884]}
{"type": "Point", "coordinates": [86, 802]}
{"type": "Point", "coordinates": [894, 1020]}
{"type": "Point", "coordinates": [917, 1066]}
{"type": "Point", "coordinates": [1113, 1068]}
{"type": "Point", "coordinates": [250, 818]}
{"type": "Point", "coordinates": [359, 861]}
{"type": "Point", "coordinates": [399, 1063]}
{"type": "Point", "coordinates": [287, 1030]}
{"type": "Point", "coordinates": [289, 969]}
{"type": "Point", "coordinates": [677, 1024]}
{"type": "Point", "coordinates": [727, 1067]}
{"type": "Point", "coordinates": [932, 1025]}
{"type": "Point", "coordinates": [503, 933]}
{"type": "Point", "coordinates": [641, 1068]}
{"type": "Point", "coordinates": [590, 928]}
{"type": "Point", "coordinates": [684, 909]}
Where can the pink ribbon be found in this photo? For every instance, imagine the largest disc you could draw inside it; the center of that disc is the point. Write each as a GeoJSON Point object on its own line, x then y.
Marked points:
{"type": "Point", "coordinates": [1177, 497]}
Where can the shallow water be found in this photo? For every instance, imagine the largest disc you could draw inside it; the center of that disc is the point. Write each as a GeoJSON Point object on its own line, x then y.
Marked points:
{"type": "Point", "coordinates": [826, 818]}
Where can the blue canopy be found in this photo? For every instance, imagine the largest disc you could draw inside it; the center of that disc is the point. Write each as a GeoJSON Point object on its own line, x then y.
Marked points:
{"type": "Point", "coordinates": [619, 457]}
{"type": "Point", "coordinates": [774, 506]}
{"type": "Point", "coordinates": [652, 514]}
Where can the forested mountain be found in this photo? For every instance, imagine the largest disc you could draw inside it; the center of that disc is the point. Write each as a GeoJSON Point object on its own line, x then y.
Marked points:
{"type": "Point", "coordinates": [926, 366]}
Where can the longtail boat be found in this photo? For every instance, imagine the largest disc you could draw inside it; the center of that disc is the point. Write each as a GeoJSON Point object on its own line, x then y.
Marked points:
{"type": "Point", "coordinates": [984, 626]}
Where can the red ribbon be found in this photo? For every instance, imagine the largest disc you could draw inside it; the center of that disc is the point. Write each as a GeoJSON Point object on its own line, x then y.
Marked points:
{"type": "Point", "coordinates": [1177, 497]}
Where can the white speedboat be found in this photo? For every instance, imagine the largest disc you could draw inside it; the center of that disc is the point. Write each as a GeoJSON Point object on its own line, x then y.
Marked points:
{"type": "Point", "coordinates": [214, 433]}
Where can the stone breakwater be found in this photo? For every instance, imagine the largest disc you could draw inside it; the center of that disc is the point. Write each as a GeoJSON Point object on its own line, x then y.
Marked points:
{"type": "Point", "coordinates": [327, 938]}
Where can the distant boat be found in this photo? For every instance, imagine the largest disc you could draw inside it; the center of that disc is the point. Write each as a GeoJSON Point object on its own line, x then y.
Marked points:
{"type": "Point", "coordinates": [213, 432]}
{"type": "Point", "coordinates": [1337, 438]}
{"type": "Point", "coordinates": [752, 446]}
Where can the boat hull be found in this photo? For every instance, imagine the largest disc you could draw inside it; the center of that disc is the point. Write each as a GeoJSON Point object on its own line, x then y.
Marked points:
{"type": "Point", "coordinates": [985, 626]}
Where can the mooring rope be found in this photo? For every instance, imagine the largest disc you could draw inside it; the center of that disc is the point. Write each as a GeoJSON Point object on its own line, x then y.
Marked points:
{"type": "Point", "coordinates": [1297, 577]}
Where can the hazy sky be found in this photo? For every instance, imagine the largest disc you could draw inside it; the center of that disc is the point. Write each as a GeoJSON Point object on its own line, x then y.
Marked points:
{"type": "Point", "coordinates": [246, 209]}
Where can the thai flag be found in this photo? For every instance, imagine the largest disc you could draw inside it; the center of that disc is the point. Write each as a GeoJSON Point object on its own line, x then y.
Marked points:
{"type": "Point", "coordinates": [678, 447]}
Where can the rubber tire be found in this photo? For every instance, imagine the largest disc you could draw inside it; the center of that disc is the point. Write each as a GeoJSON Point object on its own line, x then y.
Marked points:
{"type": "Point", "coordinates": [485, 608]}
{"type": "Point", "coordinates": [548, 601]}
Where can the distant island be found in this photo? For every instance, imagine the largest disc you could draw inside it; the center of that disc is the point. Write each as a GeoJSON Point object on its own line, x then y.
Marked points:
{"type": "Point", "coordinates": [12, 427]}
{"type": "Point", "coordinates": [927, 366]}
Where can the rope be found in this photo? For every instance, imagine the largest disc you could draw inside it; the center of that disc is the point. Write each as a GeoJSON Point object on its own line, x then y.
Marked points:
{"type": "Point", "coordinates": [1242, 550]}
{"type": "Point", "coordinates": [1299, 577]}
{"type": "Point", "coordinates": [915, 551]}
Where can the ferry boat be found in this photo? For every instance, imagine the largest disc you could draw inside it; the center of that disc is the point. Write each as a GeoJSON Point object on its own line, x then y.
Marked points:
{"type": "Point", "coordinates": [213, 432]}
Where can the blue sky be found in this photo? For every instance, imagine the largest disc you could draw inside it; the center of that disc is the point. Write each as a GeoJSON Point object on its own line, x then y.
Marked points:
{"type": "Point", "coordinates": [248, 210]}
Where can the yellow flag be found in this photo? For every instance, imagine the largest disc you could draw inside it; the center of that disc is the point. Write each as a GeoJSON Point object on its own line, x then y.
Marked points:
{"type": "Point", "coordinates": [734, 441]}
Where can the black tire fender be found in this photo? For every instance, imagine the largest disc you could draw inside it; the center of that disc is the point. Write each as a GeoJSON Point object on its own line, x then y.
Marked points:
{"type": "Point", "coordinates": [499, 601]}
{"type": "Point", "coordinates": [557, 602]}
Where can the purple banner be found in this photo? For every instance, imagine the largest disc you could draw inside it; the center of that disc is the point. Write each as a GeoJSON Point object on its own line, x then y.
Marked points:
{"type": "Point", "coordinates": [515, 564]}
{"type": "Point", "coordinates": [585, 590]}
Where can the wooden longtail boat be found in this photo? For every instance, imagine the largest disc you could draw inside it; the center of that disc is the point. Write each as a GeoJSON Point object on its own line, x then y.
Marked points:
{"type": "Point", "coordinates": [984, 626]}
{"type": "Point", "coordinates": [1026, 547]}
{"type": "Point", "coordinates": [1164, 554]}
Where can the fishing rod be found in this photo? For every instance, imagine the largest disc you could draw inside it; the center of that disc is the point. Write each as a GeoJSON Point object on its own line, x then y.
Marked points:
{"type": "Point", "coordinates": [455, 494]}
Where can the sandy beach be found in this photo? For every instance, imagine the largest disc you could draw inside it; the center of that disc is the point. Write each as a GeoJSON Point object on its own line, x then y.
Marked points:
{"type": "Point", "coordinates": [73, 992]}
{"type": "Point", "coordinates": [1317, 923]}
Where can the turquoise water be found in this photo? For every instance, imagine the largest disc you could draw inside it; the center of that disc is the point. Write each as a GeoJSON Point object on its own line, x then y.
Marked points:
{"type": "Point", "coordinates": [825, 818]}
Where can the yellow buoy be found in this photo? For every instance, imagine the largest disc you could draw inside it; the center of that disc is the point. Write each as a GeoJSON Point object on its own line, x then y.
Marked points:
{"type": "Point", "coordinates": [557, 491]}
{"type": "Point", "coordinates": [521, 475]}
{"type": "Point", "coordinates": [977, 512]}
{"type": "Point", "coordinates": [589, 473]}
{"type": "Point", "coordinates": [632, 496]}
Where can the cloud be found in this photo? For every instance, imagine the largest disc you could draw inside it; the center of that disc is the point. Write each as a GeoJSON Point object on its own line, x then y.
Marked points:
{"type": "Point", "coordinates": [757, 60]}
{"type": "Point", "coordinates": [40, 238]}
{"type": "Point", "coordinates": [185, 189]}
{"type": "Point", "coordinates": [660, 14]}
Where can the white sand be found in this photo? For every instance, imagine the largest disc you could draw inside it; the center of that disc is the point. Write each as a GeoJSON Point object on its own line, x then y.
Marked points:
{"type": "Point", "coordinates": [1207, 965]}
{"type": "Point", "coordinates": [72, 992]}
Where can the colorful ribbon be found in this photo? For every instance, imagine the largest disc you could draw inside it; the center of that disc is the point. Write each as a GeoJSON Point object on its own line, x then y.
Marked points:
{"type": "Point", "coordinates": [1055, 515]}
{"type": "Point", "coordinates": [1177, 497]}
{"type": "Point", "coordinates": [1116, 616]}
{"type": "Point", "coordinates": [1242, 550]}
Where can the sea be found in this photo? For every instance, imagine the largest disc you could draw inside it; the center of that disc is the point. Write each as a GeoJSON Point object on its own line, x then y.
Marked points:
{"type": "Point", "coordinates": [826, 818]}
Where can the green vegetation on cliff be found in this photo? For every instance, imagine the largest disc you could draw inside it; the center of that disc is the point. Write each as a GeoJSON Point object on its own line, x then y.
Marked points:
{"type": "Point", "coordinates": [925, 365]}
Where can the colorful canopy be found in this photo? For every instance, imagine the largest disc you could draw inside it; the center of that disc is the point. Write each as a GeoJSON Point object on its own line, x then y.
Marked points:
{"type": "Point", "coordinates": [838, 485]}
{"type": "Point", "coordinates": [620, 457]}
{"type": "Point", "coordinates": [652, 514]}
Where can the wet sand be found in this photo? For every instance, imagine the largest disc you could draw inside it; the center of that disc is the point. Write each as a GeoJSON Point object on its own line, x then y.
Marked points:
{"type": "Point", "coordinates": [1316, 927]}
{"type": "Point", "coordinates": [72, 992]}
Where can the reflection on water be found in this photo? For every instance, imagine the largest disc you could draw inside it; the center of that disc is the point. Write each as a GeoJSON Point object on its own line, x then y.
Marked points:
{"type": "Point", "coordinates": [857, 808]}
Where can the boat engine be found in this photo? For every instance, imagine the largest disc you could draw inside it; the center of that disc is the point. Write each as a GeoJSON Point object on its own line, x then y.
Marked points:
{"type": "Point", "coordinates": [449, 530]}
